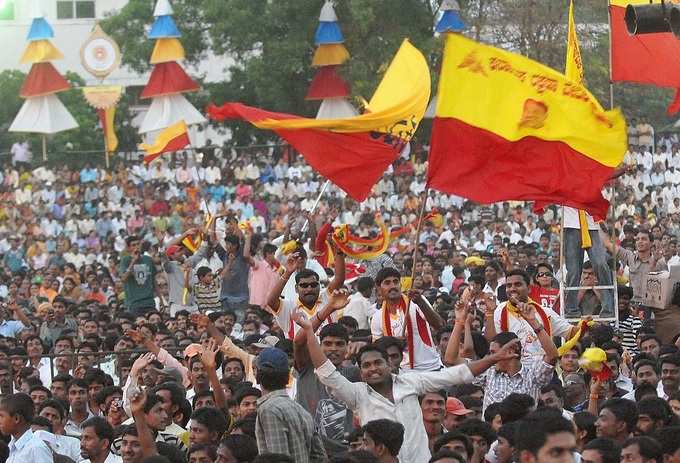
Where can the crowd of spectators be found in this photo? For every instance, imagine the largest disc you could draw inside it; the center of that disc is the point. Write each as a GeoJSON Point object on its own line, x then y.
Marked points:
{"type": "Point", "coordinates": [180, 312]}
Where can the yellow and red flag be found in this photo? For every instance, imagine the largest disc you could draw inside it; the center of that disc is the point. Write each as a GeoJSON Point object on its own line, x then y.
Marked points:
{"type": "Point", "coordinates": [354, 152]}
{"type": "Point", "coordinates": [106, 117]}
{"type": "Point", "coordinates": [509, 128]}
{"type": "Point", "coordinates": [173, 138]}
{"type": "Point", "coordinates": [646, 58]}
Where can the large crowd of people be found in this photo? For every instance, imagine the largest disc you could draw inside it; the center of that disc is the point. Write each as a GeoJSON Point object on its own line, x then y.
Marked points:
{"type": "Point", "coordinates": [194, 310]}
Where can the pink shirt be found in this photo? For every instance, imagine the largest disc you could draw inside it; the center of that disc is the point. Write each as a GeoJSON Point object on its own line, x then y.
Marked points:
{"type": "Point", "coordinates": [261, 280]}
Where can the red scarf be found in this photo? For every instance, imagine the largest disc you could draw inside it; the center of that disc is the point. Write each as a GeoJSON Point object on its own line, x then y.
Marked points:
{"type": "Point", "coordinates": [509, 309]}
{"type": "Point", "coordinates": [421, 323]}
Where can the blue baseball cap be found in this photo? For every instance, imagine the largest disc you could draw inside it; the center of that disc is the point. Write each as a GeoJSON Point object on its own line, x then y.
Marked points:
{"type": "Point", "coordinates": [272, 359]}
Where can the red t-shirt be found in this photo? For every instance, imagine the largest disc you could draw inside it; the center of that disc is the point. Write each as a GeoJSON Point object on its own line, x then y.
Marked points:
{"type": "Point", "coordinates": [547, 297]}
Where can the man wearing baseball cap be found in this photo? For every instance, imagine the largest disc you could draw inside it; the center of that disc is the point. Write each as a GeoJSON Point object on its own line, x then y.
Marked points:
{"type": "Point", "coordinates": [456, 413]}
{"type": "Point", "coordinates": [282, 425]}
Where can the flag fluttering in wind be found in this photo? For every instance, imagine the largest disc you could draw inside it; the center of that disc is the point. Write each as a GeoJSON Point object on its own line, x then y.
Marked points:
{"type": "Point", "coordinates": [42, 112]}
{"type": "Point", "coordinates": [168, 81]}
{"type": "Point", "coordinates": [509, 128]}
{"type": "Point", "coordinates": [354, 152]}
{"type": "Point", "coordinates": [174, 138]}
{"type": "Point", "coordinates": [646, 58]}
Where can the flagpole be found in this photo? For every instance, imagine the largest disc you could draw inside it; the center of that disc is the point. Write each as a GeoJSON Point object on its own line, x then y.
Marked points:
{"type": "Point", "coordinates": [316, 203]}
{"type": "Point", "coordinates": [418, 228]}
{"type": "Point", "coordinates": [44, 148]}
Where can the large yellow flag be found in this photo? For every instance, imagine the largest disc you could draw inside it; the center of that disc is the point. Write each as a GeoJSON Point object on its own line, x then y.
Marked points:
{"type": "Point", "coordinates": [507, 127]}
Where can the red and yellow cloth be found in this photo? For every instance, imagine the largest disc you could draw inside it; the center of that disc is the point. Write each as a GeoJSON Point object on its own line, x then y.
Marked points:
{"type": "Point", "coordinates": [509, 128]}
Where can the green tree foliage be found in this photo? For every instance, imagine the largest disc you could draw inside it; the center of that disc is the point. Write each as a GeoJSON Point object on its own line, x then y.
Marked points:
{"type": "Point", "coordinates": [10, 83]}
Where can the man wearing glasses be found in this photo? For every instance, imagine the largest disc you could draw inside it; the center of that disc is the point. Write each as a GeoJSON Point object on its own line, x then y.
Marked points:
{"type": "Point", "coordinates": [310, 299]}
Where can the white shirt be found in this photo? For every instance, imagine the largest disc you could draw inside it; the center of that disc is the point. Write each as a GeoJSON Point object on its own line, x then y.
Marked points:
{"type": "Point", "coordinates": [109, 459]}
{"type": "Point", "coordinates": [531, 347]}
{"type": "Point", "coordinates": [369, 405]}
{"type": "Point", "coordinates": [426, 356]}
{"type": "Point", "coordinates": [63, 445]}
{"type": "Point", "coordinates": [361, 309]}
{"type": "Point", "coordinates": [571, 219]}
{"type": "Point", "coordinates": [29, 449]}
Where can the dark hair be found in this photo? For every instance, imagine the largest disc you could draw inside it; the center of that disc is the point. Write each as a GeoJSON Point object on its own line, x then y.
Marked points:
{"type": "Point", "coordinates": [42, 422]}
{"type": "Point", "coordinates": [56, 404]}
{"type": "Point", "coordinates": [19, 404]}
{"type": "Point", "coordinates": [624, 410]}
{"type": "Point", "coordinates": [647, 337]}
{"type": "Point", "coordinates": [656, 408]}
{"type": "Point", "coordinates": [371, 348]}
{"type": "Point", "coordinates": [474, 427]}
{"type": "Point", "coordinates": [609, 450]}
{"type": "Point", "coordinates": [504, 337]}
{"type": "Point", "coordinates": [386, 342]}
{"type": "Point", "coordinates": [232, 239]}
{"type": "Point", "coordinates": [553, 387]}
{"type": "Point", "coordinates": [450, 437]}
{"type": "Point", "coordinates": [386, 272]}
{"type": "Point", "coordinates": [520, 273]}
{"type": "Point", "coordinates": [508, 431]}
{"type": "Point", "coordinates": [95, 375]}
{"type": "Point", "coordinates": [348, 321]}
{"type": "Point", "coordinates": [446, 453]}
{"type": "Point", "coordinates": [242, 447]}
{"type": "Point", "coordinates": [177, 393]}
{"type": "Point", "coordinates": [76, 382]}
{"type": "Point", "coordinates": [40, 387]}
{"type": "Point", "coordinates": [585, 421]}
{"type": "Point", "coordinates": [246, 425]}
{"type": "Point", "coordinates": [625, 291]}
{"type": "Point", "coordinates": [364, 284]}
{"type": "Point", "coordinates": [102, 428]}
{"type": "Point", "coordinates": [673, 359]}
{"type": "Point", "coordinates": [202, 271]}
{"type": "Point", "coordinates": [534, 431]}
{"type": "Point", "coordinates": [272, 380]}
{"type": "Point", "coordinates": [211, 418]}
{"type": "Point", "coordinates": [269, 248]}
{"type": "Point", "coordinates": [132, 238]}
{"type": "Point", "coordinates": [246, 392]}
{"type": "Point", "coordinates": [151, 401]}
{"type": "Point", "coordinates": [386, 432]}
{"type": "Point", "coordinates": [648, 448]}
{"type": "Point", "coordinates": [492, 411]}
{"type": "Point", "coordinates": [646, 363]}
{"type": "Point", "coordinates": [335, 330]}
{"type": "Point", "coordinates": [643, 390]}
{"type": "Point", "coordinates": [516, 406]}
{"type": "Point", "coordinates": [273, 458]}
{"type": "Point", "coordinates": [668, 438]}
{"type": "Point", "coordinates": [108, 391]}
{"type": "Point", "coordinates": [210, 449]}
{"type": "Point", "coordinates": [306, 273]}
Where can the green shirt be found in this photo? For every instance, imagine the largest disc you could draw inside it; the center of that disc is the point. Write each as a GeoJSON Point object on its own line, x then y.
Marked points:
{"type": "Point", "coordinates": [139, 287]}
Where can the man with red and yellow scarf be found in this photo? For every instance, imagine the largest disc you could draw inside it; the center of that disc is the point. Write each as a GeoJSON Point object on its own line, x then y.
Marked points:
{"type": "Point", "coordinates": [506, 317]}
{"type": "Point", "coordinates": [408, 317]}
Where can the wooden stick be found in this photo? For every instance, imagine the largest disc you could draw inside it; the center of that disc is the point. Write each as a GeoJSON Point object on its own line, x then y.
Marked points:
{"type": "Point", "coordinates": [420, 225]}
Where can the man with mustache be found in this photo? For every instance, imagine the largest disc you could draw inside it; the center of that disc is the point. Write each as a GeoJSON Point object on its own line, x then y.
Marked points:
{"type": "Point", "coordinates": [412, 318]}
{"type": "Point", "coordinates": [310, 299]}
{"type": "Point", "coordinates": [507, 317]}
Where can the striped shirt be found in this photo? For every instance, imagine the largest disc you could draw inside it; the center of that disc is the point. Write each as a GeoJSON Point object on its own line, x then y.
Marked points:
{"type": "Point", "coordinates": [497, 385]}
{"type": "Point", "coordinates": [207, 297]}
{"type": "Point", "coordinates": [628, 328]}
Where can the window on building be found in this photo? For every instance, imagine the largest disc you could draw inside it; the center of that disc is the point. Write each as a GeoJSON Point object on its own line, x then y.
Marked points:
{"type": "Point", "coordinates": [75, 9]}
{"type": "Point", "coordinates": [6, 10]}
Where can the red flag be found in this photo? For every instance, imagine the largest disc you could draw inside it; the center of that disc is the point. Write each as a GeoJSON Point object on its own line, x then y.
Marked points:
{"type": "Point", "coordinates": [646, 58]}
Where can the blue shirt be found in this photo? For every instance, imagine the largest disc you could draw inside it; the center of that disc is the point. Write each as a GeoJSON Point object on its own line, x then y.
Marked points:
{"type": "Point", "coordinates": [10, 328]}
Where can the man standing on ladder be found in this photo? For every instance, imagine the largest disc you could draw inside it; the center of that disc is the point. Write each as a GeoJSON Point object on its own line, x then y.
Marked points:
{"type": "Point", "coordinates": [581, 234]}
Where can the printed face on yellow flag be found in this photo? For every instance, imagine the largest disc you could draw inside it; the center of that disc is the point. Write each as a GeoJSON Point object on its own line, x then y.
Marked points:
{"type": "Point", "coordinates": [516, 97]}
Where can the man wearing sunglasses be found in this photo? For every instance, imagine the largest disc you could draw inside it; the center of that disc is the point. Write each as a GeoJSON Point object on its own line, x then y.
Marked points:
{"type": "Point", "coordinates": [310, 298]}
